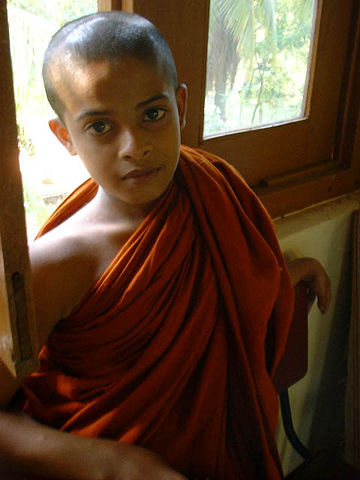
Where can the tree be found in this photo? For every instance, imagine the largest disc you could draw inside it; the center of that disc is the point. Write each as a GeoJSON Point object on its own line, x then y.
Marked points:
{"type": "Point", "coordinates": [232, 29]}
{"type": "Point", "coordinates": [260, 37]}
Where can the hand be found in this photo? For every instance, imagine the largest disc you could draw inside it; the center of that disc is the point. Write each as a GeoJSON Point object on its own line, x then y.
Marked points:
{"type": "Point", "coordinates": [313, 273]}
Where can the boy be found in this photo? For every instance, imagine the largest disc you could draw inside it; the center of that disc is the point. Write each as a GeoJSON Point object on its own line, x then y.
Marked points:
{"type": "Point", "coordinates": [173, 297]}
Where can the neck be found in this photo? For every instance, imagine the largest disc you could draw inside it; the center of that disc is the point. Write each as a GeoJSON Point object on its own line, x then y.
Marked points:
{"type": "Point", "coordinates": [112, 209]}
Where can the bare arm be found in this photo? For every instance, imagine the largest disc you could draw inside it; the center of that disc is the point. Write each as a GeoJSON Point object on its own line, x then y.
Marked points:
{"type": "Point", "coordinates": [313, 273]}
{"type": "Point", "coordinates": [27, 447]}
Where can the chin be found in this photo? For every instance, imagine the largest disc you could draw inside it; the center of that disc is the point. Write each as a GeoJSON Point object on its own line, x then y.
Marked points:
{"type": "Point", "coordinates": [151, 197]}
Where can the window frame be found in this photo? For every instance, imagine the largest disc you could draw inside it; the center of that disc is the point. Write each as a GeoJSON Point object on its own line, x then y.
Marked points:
{"type": "Point", "coordinates": [292, 165]}
{"type": "Point", "coordinates": [18, 332]}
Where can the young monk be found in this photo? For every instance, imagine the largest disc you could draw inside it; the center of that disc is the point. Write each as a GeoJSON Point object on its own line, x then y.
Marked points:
{"type": "Point", "coordinates": [162, 297]}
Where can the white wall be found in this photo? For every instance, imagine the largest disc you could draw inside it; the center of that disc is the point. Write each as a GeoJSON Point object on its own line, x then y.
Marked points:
{"type": "Point", "coordinates": [323, 232]}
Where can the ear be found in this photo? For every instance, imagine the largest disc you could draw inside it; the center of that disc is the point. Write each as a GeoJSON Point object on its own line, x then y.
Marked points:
{"type": "Point", "coordinates": [181, 100]}
{"type": "Point", "coordinates": [61, 133]}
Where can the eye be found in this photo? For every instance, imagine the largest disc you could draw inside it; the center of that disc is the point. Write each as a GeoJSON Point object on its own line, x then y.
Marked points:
{"type": "Point", "coordinates": [100, 127]}
{"type": "Point", "coordinates": [154, 114]}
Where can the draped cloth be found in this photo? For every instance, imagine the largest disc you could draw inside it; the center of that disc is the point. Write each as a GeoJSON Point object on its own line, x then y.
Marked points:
{"type": "Point", "coordinates": [175, 346]}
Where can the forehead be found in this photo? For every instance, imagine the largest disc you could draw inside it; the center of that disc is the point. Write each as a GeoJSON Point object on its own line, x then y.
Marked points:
{"type": "Point", "coordinates": [126, 81]}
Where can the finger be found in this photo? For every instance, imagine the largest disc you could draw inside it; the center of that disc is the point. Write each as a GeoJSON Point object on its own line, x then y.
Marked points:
{"type": "Point", "coordinates": [324, 297]}
{"type": "Point", "coordinates": [328, 298]}
{"type": "Point", "coordinates": [310, 298]}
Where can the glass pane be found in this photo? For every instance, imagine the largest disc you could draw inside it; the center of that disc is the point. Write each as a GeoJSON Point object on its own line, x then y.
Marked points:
{"type": "Point", "coordinates": [258, 62]}
{"type": "Point", "coordinates": [44, 163]}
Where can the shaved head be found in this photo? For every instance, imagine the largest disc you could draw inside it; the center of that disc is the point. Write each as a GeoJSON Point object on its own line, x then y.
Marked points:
{"type": "Point", "coordinates": [110, 36]}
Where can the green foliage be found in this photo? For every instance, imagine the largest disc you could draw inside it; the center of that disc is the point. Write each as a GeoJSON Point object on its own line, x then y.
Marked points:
{"type": "Point", "coordinates": [32, 24]}
{"type": "Point", "coordinates": [64, 11]}
{"type": "Point", "coordinates": [266, 43]}
{"type": "Point", "coordinates": [36, 210]}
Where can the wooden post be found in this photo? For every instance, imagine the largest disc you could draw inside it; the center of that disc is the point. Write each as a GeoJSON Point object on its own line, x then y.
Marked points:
{"type": "Point", "coordinates": [106, 5]}
{"type": "Point", "coordinates": [18, 344]}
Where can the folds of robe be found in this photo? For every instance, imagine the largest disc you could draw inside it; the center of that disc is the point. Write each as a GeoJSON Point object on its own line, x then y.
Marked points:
{"type": "Point", "coordinates": [175, 346]}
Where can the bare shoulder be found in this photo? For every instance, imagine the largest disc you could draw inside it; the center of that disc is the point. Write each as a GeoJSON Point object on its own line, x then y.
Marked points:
{"type": "Point", "coordinates": [62, 270]}
{"type": "Point", "coordinates": [67, 261]}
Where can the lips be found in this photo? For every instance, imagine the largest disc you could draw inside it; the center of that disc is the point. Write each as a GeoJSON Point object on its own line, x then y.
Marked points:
{"type": "Point", "coordinates": [140, 172]}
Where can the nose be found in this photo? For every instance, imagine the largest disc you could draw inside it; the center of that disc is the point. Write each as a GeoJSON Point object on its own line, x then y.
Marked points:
{"type": "Point", "coordinates": [133, 144]}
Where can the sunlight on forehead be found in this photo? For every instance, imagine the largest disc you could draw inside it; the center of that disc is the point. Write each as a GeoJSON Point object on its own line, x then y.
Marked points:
{"type": "Point", "coordinates": [100, 85]}
{"type": "Point", "coordinates": [87, 75]}
{"type": "Point", "coordinates": [76, 78]}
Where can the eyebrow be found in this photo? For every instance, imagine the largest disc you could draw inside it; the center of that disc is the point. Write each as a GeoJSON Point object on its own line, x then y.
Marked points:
{"type": "Point", "coordinates": [99, 113]}
{"type": "Point", "coordinates": [91, 113]}
{"type": "Point", "coordinates": [161, 96]}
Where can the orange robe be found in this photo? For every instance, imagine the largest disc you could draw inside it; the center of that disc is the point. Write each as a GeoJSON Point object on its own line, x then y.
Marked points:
{"type": "Point", "coordinates": [175, 346]}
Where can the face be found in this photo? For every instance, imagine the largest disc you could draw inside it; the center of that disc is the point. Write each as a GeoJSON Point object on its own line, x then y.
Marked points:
{"type": "Point", "coordinates": [124, 122]}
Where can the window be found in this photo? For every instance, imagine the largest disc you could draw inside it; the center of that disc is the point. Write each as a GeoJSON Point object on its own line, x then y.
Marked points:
{"type": "Point", "coordinates": [258, 63]}
{"type": "Point", "coordinates": [45, 164]}
{"type": "Point", "coordinates": [293, 164]}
